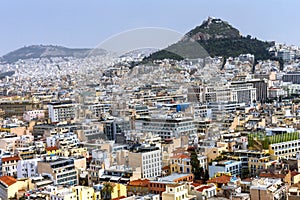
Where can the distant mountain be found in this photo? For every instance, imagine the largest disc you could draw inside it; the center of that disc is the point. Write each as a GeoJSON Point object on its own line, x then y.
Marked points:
{"type": "Point", "coordinates": [214, 37]}
{"type": "Point", "coordinates": [40, 51]}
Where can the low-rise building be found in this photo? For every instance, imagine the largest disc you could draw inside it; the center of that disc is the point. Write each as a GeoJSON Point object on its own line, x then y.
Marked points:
{"type": "Point", "coordinates": [294, 192]}
{"type": "Point", "coordinates": [9, 165]}
{"type": "Point", "coordinates": [203, 192]}
{"type": "Point", "coordinates": [268, 189]}
{"type": "Point", "coordinates": [286, 149]}
{"type": "Point", "coordinates": [228, 166]}
{"type": "Point", "coordinates": [8, 187]}
{"type": "Point", "coordinates": [33, 114]}
{"type": "Point", "coordinates": [177, 191]}
{"type": "Point", "coordinates": [159, 186]}
{"type": "Point", "coordinates": [61, 170]}
{"type": "Point", "coordinates": [75, 192]}
{"type": "Point", "coordinates": [138, 187]}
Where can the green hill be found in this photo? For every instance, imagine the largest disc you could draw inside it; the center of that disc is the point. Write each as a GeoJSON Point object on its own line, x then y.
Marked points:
{"type": "Point", "coordinates": [213, 37]}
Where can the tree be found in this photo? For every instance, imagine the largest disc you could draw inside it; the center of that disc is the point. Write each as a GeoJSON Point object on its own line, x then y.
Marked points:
{"type": "Point", "coordinates": [195, 163]}
{"type": "Point", "coordinates": [106, 191]}
{"type": "Point", "coordinates": [245, 172]}
{"type": "Point", "coordinates": [206, 176]}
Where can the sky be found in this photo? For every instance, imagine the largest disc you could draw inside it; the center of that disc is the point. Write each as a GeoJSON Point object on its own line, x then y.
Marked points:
{"type": "Point", "coordinates": [87, 23]}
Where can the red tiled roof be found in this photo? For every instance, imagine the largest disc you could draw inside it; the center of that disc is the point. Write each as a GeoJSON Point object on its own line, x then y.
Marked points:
{"type": "Point", "coordinates": [203, 188]}
{"type": "Point", "coordinates": [247, 180]}
{"type": "Point", "coordinates": [191, 148]}
{"type": "Point", "coordinates": [221, 179]}
{"type": "Point", "coordinates": [196, 184]}
{"type": "Point", "coordinates": [166, 167]}
{"type": "Point", "coordinates": [51, 148]}
{"type": "Point", "coordinates": [181, 156]}
{"type": "Point", "coordinates": [139, 182]}
{"type": "Point", "coordinates": [8, 180]}
{"type": "Point", "coordinates": [12, 158]}
{"type": "Point", "coordinates": [294, 173]}
{"type": "Point", "coordinates": [271, 175]}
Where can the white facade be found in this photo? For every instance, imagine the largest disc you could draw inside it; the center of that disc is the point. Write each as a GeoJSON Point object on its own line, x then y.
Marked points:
{"type": "Point", "coordinates": [285, 149]}
{"type": "Point", "coordinates": [203, 162]}
{"type": "Point", "coordinates": [61, 111]}
{"type": "Point", "coordinates": [169, 126]}
{"type": "Point", "coordinates": [33, 114]}
{"type": "Point", "coordinates": [67, 140]}
{"type": "Point", "coordinates": [150, 162]}
{"type": "Point", "coordinates": [27, 168]}
{"type": "Point", "coordinates": [243, 93]}
{"type": "Point", "coordinates": [229, 166]}
{"type": "Point", "coordinates": [177, 192]}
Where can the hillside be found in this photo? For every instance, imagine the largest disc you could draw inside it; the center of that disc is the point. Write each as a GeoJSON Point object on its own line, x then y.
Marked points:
{"type": "Point", "coordinates": [40, 51]}
{"type": "Point", "coordinates": [213, 37]}
{"type": "Point", "coordinates": [213, 29]}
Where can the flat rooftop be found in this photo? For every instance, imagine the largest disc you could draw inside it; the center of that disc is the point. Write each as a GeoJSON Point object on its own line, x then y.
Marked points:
{"type": "Point", "coordinates": [172, 177]}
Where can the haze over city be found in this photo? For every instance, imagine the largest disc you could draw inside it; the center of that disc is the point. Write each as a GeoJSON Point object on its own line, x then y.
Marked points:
{"type": "Point", "coordinates": [149, 100]}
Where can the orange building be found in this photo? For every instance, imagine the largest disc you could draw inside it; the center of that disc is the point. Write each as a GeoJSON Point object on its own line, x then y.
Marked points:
{"type": "Point", "coordinates": [219, 181]}
{"type": "Point", "coordinates": [138, 187]}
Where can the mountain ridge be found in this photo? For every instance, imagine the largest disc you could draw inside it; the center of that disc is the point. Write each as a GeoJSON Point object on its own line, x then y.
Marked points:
{"type": "Point", "coordinates": [45, 51]}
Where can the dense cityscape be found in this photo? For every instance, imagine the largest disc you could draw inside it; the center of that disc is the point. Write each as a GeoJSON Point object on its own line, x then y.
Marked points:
{"type": "Point", "coordinates": [129, 127]}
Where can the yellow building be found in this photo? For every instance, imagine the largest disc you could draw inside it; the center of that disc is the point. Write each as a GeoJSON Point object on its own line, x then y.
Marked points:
{"type": "Point", "coordinates": [180, 164]}
{"type": "Point", "coordinates": [8, 187]}
{"type": "Point", "coordinates": [111, 190]}
{"type": "Point", "coordinates": [177, 192]}
{"type": "Point", "coordinates": [213, 152]}
{"type": "Point", "coordinates": [257, 164]}
{"type": "Point", "coordinates": [86, 193]}
{"type": "Point", "coordinates": [119, 190]}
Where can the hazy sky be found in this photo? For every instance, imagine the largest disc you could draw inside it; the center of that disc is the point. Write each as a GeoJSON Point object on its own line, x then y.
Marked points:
{"type": "Point", "coordinates": [86, 23]}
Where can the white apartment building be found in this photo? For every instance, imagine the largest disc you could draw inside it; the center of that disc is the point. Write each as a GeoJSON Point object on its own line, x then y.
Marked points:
{"type": "Point", "coordinates": [169, 126]}
{"type": "Point", "coordinates": [33, 114]}
{"type": "Point", "coordinates": [27, 168]}
{"type": "Point", "coordinates": [217, 94]}
{"type": "Point", "coordinates": [148, 158]}
{"type": "Point", "coordinates": [228, 166]}
{"type": "Point", "coordinates": [238, 92]}
{"type": "Point", "coordinates": [285, 149]}
{"type": "Point", "coordinates": [9, 165]}
{"type": "Point", "coordinates": [62, 170]}
{"type": "Point", "coordinates": [61, 111]}
{"type": "Point", "coordinates": [99, 108]}
{"type": "Point", "coordinates": [63, 141]}
{"type": "Point", "coordinates": [243, 93]}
